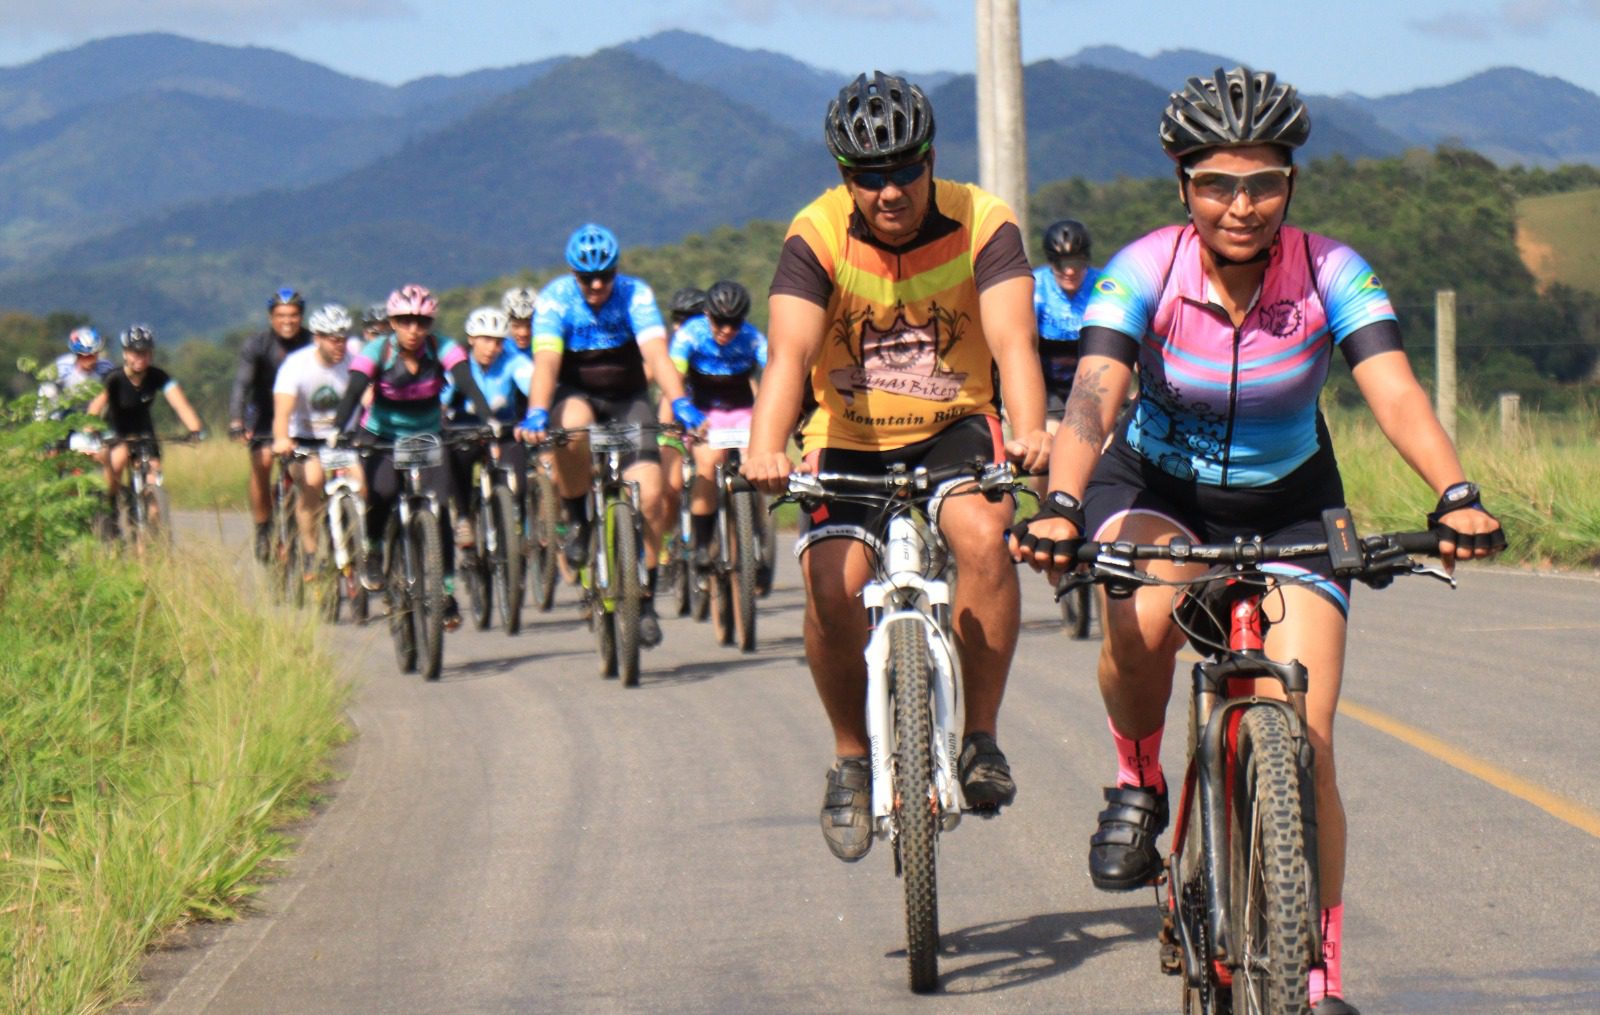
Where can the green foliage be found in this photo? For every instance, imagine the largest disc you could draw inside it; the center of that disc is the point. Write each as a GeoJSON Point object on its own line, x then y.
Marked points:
{"type": "Point", "coordinates": [46, 499]}
{"type": "Point", "coordinates": [1559, 237]}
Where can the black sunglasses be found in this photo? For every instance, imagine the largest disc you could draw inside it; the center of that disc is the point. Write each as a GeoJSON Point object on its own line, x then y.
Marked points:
{"type": "Point", "coordinates": [411, 320]}
{"type": "Point", "coordinates": [725, 322]}
{"type": "Point", "coordinates": [588, 278]}
{"type": "Point", "coordinates": [877, 179]}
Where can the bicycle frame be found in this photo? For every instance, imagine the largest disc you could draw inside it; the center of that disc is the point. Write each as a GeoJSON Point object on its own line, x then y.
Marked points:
{"type": "Point", "coordinates": [607, 487]}
{"type": "Point", "coordinates": [338, 465]}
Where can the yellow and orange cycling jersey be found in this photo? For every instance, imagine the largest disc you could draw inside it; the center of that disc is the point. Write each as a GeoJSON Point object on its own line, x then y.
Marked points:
{"type": "Point", "coordinates": [905, 354]}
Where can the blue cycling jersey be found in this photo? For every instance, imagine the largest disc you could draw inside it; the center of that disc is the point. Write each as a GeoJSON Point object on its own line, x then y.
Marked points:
{"type": "Point", "coordinates": [504, 383]}
{"type": "Point", "coordinates": [1059, 318]}
{"type": "Point", "coordinates": [718, 375]}
{"type": "Point", "coordinates": [599, 346]}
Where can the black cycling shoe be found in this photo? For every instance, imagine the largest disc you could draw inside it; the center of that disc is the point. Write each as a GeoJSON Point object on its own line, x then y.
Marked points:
{"type": "Point", "coordinates": [452, 614]}
{"type": "Point", "coordinates": [372, 571]}
{"type": "Point", "coordinates": [1331, 1005]}
{"type": "Point", "coordinates": [576, 546]}
{"type": "Point", "coordinates": [985, 776]}
{"type": "Point", "coordinates": [1122, 852]}
{"type": "Point", "coordinates": [847, 809]}
{"type": "Point", "coordinates": [649, 626]}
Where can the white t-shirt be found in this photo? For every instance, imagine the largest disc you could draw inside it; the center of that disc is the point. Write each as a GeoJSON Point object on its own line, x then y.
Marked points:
{"type": "Point", "coordinates": [317, 389]}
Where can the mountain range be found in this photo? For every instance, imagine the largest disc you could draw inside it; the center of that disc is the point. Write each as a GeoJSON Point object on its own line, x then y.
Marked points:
{"type": "Point", "coordinates": [155, 177]}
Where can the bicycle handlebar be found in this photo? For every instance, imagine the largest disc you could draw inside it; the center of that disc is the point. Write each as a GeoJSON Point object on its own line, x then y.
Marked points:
{"type": "Point", "coordinates": [991, 477]}
{"type": "Point", "coordinates": [1251, 552]}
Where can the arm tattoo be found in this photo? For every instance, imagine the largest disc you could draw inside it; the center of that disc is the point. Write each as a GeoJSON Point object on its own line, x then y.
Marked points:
{"type": "Point", "coordinates": [1083, 412]}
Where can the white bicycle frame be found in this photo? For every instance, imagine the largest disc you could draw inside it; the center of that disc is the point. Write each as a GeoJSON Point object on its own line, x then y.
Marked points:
{"type": "Point", "coordinates": [337, 464]}
{"type": "Point", "coordinates": [911, 589]}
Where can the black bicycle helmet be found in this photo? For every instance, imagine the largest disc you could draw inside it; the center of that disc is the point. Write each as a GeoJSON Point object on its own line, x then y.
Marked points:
{"type": "Point", "coordinates": [1234, 107]}
{"type": "Point", "coordinates": [375, 315]}
{"type": "Point", "coordinates": [727, 300]}
{"type": "Point", "coordinates": [138, 337]}
{"type": "Point", "coordinates": [1066, 238]}
{"type": "Point", "coordinates": [687, 302]}
{"type": "Point", "coordinates": [878, 122]}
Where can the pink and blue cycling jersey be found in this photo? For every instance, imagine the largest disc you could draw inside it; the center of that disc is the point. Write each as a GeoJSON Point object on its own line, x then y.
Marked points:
{"type": "Point", "coordinates": [1236, 406]}
{"type": "Point", "coordinates": [404, 403]}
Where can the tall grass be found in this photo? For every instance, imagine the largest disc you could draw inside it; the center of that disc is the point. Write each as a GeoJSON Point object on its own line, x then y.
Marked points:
{"type": "Point", "coordinates": [155, 725]}
{"type": "Point", "coordinates": [209, 476]}
{"type": "Point", "coordinates": [1543, 481]}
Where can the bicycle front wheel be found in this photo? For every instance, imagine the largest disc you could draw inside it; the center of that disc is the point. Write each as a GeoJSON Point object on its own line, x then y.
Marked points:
{"type": "Point", "coordinates": [916, 813]}
{"type": "Point", "coordinates": [427, 612]}
{"type": "Point", "coordinates": [601, 617]}
{"type": "Point", "coordinates": [542, 546]}
{"type": "Point", "coordinates": [158, 517]}
{"type": "Point", "coordinates": [748, 553]}
{"type": "Point", "coordinates": [400, 591]}
{"type": "Point", "coordinates": [1075, 612]}
{"type": "Point", "coordinates": [504, 537]}
{"type": "Point", "coordinates": [472, 567]}
{"type": "Point", "coordinates": [1269, 886]}
{"type": "Point", "coordinates": [627, 590]}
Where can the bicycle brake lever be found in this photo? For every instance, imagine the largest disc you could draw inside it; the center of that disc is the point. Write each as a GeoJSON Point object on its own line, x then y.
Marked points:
{"type": "Point", "coordinates": [1434, 572]}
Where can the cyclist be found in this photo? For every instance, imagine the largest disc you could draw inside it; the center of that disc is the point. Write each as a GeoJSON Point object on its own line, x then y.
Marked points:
{"type": "Point", "coordinates": [518, 305]}
{"type": "Point", "coordinates": [406, 369]}
{"type": "Point", "coordinates": [374, 321]}
{"type": "Point", "coordinates": [1225, 439]}
{"type": "Point", "coordinates": [305, 396]}
{"type": "Point", "coordinates": [129, 392]}
{"type": "Point", "coordinates": [896, 297]}
{"type": "Point", "coordinates": [1061, 290]}
{"type": "Point", "coordinates": [718, 353]}
{"type": "Point", "coordinates": [250, 404]}
{"type": "Point", "coordinates": [686, 304]}
{"type": "Point", "coordinates": [504, 377]}
{"type": "Point", "coordinates": [595, 333]}
{"type": "Point", "coordinates": [78, 374]}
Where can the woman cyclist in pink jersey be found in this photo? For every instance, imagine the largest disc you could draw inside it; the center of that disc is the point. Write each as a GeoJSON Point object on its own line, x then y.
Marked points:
{"type": "Point", "coordinates": [1232, 320]}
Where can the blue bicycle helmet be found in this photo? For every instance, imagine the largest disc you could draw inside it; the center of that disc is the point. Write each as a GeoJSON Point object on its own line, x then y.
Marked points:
{"type": "Point", "coordinates": [286, 297]}
{"type": "Point", "coordinates": [592, 248]}
{"type": "Point", "coordinates": [84, 341]}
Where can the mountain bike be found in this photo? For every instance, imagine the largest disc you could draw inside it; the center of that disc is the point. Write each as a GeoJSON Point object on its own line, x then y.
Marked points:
{"type": "Point", "coordinates": [1239, 897]}
{"type": "Point", "coordinates": [913, 672]}
{"type": "Point", "coordinates": [541, 531]}
{"type": "Point", "coordinates": [732, 579]}
{"type": "Point", "coordinates": [413, 554]}
{"type": "Point", "coordinates": [610, 579]}
{"type": "Point", "coordinates": [677, 547]}
{"type": "Point", "coordinates": [287, 580]}
{"type": "Point", "coordinates": [142, 513]}
{"type": "Point", "coordinates": [492, 570]}
{"type": "Point", "coordinates": [342, 544]}
{"type": "Point", "coordinates": [1077, 609]}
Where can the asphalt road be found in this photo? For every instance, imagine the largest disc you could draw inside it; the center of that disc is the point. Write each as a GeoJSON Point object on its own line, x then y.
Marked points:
{"type": "Point", "coordinates": [524, 836]}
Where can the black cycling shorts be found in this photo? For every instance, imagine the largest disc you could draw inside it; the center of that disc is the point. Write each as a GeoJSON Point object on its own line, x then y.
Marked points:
{"type": "Point", "coordinates": [637, 409]}
{"type": "Point", "coordinates": [1287, 511]}
{"type": "Point", "coordinates": [962, 441]}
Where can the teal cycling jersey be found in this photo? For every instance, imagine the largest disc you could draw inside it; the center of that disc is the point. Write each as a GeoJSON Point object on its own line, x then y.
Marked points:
{"type": "Point", "coordinates": [505, 383]}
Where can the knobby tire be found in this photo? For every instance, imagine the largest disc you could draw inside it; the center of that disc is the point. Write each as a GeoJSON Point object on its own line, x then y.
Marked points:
{"type": "Point", "coordinates": [429, 614]}
{"type": "Point", "coordinates": [400, 591]}
{"type": "Point", "coordinates": [629, 591]}
{"type": "Point", "coordinates": [505, 560]}
{"type": "Point", "coordinates": [744, 570]}
{"type": "Point", "coordinates": [916, 810]}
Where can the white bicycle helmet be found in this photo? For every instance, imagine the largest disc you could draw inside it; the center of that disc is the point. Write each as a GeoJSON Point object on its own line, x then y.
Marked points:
{"type": "Point", "coordinates": [331, 319]}
{"type": "Point", "coordinates": [518, 303]}
{"type": "Point", "coordinates": [487, 321]}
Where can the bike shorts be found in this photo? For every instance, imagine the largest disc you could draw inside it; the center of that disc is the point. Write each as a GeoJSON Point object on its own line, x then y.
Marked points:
{"type": "Point", "coordinates": [729, 419]}
{"type": "Point", "coordinates": [637, 409]}
{"type": "Point", "coordinates": [1287, 511]}
{"type": "Point", "coordinates": [1055, 400]}
{"type": "Point", "coordinates": [962, 441]}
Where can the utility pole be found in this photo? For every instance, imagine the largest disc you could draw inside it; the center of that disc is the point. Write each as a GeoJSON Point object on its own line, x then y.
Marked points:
{"type": "Point", "coordinates": [1445, 344]}
{"type": "Point", "coordinates": [1002, 129]}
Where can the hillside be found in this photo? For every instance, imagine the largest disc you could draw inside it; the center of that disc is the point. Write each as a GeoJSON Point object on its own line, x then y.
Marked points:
{"type": "Point", "coordinates": [1558, 236]}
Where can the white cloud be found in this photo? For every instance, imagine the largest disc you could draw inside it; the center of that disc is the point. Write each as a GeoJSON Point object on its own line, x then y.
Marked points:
{"type": "Point", "coordinates": [1517, 17]}
{"type": "Point", "coordinates": [79, 19]}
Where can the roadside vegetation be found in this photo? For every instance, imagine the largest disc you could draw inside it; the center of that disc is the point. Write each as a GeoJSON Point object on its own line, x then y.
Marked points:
{"type": "Point", "coordinates": [156, 726]}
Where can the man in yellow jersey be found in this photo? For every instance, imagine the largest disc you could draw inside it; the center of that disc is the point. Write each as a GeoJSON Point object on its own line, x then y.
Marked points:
{"type": "Point", "coordinates": [895, 299]}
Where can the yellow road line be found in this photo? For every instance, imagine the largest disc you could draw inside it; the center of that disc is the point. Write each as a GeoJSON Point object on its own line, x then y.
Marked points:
{"type": "Point", "coordinates": [1571, 811]}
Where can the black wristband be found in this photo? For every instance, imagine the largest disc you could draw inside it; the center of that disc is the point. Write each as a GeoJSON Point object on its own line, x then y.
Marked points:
{"type": "Point", "coordinates": [1057, 504]}
{"type": "Point", "coordinates": [1455, 497]}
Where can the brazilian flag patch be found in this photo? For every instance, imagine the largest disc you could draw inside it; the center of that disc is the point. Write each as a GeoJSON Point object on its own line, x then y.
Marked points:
{"type": "Point", "coordinates": [1108, 286]}
{"type": "Point", "coordinates": [1372, 282]}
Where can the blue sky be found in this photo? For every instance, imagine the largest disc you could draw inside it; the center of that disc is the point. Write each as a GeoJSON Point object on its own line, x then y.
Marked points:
{"type": "Point", "coordinates": [1373, 47]}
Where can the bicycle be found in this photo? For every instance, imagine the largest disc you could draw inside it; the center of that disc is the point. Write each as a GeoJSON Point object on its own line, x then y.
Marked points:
{"type": "Point", "coordinates": [142, 514]}
{"type": "Point", "coordinates": [492, 571]}
{"type": "Point", "coordinates": [286, 570]}
{"type": "Point", "coordinates": [913, 672]}
{"type": "Point", "coordinates": [732, 580]}
{"type": "Point", "coordinates": [610, 580]}
{"type": "Point", "coordinates": [1238, 920]}
{"type": "Point", "coordinates": [676, 568]}
{"type": "Point", "coordinates": [342, 542]}
{"type": "Point", "coordinates": [541, 531]}
{"type": "Point", "coordinates": [413, 554]}
{"type": "Point", "coordinates": [1077, 609]}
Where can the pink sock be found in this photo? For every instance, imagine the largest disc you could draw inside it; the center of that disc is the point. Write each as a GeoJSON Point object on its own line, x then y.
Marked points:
{"type": "Point", "coordinates": [1327, 979]}
{"type": "Point", "coordinates": [1138, 761]}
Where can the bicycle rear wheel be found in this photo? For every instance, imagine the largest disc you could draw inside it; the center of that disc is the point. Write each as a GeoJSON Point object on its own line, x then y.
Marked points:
{"type": "Point", "coordinates": [428, 608]}
{"type": "Point", "coordinates": [400, 591]}
{"type": "Point", "coordinates": [747, 555]}
{"type": "Point", "coordinates": [629, 592]}
{"type": "Point", "coordinates": [916, 816]}
{"type": "Point", "coordinates": [1269, 888]}
{"type": "Point", "coordinates": [472, 568]}
{"type": "Point", "coordinates": [503, 539]}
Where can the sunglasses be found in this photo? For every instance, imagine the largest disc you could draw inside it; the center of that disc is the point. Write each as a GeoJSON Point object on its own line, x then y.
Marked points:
{"type": "Point", "coordinates": [410, 321]}
{"type": "Point", "coordinates": [589, 278]}
{"type": "Point", "coordinates": [725, 322]}
{"type": "Point", "coordinates": [1066, 263]}
{"type": "Point", "coordinates": [1263, 184]}
{"type": "Point", "coordinates": [877, 179]}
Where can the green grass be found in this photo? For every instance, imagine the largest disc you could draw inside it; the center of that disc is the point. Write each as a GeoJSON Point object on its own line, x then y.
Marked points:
{"type": "Point", "coordinates": [1558, 236]}
{"type": "Point", "coordinates": [155, 726]}
{"type": "Point", "coordinates": [209, 476]}
{"type": "Point", "coordinates": [1543, 482]}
